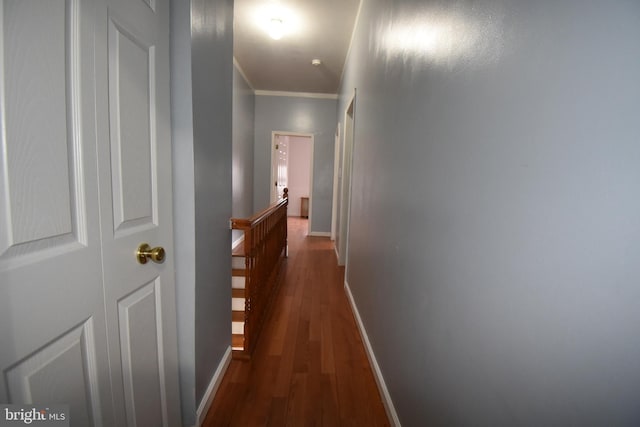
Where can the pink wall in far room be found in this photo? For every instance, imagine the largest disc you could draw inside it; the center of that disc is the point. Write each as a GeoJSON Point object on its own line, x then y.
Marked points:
{"type": "Point", "coordinates": [299, 171]}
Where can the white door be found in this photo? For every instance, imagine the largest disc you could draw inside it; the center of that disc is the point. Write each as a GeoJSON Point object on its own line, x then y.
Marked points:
{"type": "Point", "coordinates": [81, 322]}
{"type": "Point", "coordinates": [134, 149]}
{"type": "Point", "coordinates": [53, 346]}
{"type": "Point", "coordinates": [279, 166]}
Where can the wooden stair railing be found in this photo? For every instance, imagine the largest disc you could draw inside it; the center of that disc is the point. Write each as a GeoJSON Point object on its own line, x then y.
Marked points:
{"type": "Point", "coordinates": [255, 268]}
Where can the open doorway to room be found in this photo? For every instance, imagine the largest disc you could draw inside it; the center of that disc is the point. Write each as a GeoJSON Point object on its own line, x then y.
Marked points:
{"type": "Point", "coordinates": [292, 167]}
{"type": "Point", "coordinates": [342, 188]}
{"type": "Point", "coordinates": [336, 186]}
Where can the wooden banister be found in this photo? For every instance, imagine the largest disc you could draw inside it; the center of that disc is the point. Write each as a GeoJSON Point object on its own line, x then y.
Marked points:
{"type": "Point", "coordinates": [265, 246]}
{"type": "Point", "coordinates": [245, 223]}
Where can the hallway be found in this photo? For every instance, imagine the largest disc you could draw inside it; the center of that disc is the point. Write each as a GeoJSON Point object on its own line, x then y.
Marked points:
{"type": "Point", "coordinates": [310, 366]}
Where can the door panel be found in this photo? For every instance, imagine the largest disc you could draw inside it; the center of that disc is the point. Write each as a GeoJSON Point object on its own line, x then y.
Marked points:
{"type": "Point", "coordinates": [52, 320]}
{"type": "Point", "coordinates": [50, 161]}
{"type": "Point", "coordinates": [63, 371]}
{"type": "Point", "coordinates": [131, 77]}
{"type": "Point", "coordinates": [38, 178]}
{"type": "Point", "coordinates": [139, 313]}
{"type": "Point", "coordinates": [134, 152]}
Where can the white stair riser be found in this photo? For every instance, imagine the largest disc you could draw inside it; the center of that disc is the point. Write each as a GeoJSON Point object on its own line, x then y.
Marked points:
{"type": "Point", "coordinates": [237, 328]}
{"type": "Point", "coordinates": [237, 304]}
{"type": "Point", "coordinates": [237, 262]}
{"type": "Point", "coordinates": [238, 282]}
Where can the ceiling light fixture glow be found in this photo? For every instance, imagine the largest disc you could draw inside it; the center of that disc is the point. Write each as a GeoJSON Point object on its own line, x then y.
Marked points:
{"type": "Point", "coordinates": [316, 62]}
{"type": "Point", "coordinates": [277, 21]}
{"type": "Point", "coordinates": [276, 28]}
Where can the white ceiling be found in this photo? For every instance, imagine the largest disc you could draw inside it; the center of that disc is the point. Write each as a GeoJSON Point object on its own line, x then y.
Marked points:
{"type": "Point", "coordinates": [317, 29]}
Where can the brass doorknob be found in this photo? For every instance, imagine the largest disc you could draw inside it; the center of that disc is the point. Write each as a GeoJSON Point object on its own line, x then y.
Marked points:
{"type": "Point", "coordinates": [146, 252]}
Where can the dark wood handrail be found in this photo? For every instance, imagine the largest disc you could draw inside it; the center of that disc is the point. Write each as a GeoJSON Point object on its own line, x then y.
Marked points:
{"type": "Point", "coordinates": [265, 246]}
{"type": "Point", "coordinates": [244, 223]}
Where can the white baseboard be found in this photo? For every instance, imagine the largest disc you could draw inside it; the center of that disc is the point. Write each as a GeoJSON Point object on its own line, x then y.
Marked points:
{"type": "Point", "coordinates": [382, 387]}
{"type": "Point", "coordinates": [320, 234]}
{"type": "Point", "coordinates": [207, 399]}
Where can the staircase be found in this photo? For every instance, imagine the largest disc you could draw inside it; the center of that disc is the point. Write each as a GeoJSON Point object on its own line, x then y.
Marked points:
{"type": "Point", "coordinates": [255, 273]}
{"type": "Point", "coordinates": [238, 281]}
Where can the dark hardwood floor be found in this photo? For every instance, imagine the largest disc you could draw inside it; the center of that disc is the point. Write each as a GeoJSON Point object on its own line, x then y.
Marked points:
{"type": "Point", "coordinates": [309, 367]}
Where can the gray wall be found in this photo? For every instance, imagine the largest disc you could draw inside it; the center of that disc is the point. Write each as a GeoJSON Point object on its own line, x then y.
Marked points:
{"type": "Point", "coordinates": [212, 73]}
{"type": "Point", "coordinates": [304, 115]}
{"type": "Point", "coordinates": [495, 246]}
{"type": "Point", "coordinates": [202, 38]}
{"type": "Point", "coordinates": [244, 105]}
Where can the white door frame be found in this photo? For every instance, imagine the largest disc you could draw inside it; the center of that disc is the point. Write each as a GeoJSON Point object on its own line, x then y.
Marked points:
{"type": "Point", "coordinates": [274, 172]}
{"type": "Point", "coordinates": [336, 174]}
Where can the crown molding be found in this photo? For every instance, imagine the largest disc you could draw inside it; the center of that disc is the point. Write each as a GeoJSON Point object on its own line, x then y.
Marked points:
{"type": "Point", "coordinates": [296, 94]}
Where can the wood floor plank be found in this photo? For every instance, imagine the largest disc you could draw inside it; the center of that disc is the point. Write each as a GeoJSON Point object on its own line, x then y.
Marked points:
{"type": "Point", "coordinates": [278, 413]}
{"type": "Point", "coordinates": [327, 364]}
{"type": "Point", "coordinates": [309, 367]}
{"type": "Point", "coordinates": [295, 405]}
{"type": "Point", "coordinates": [329, 399]}
{"type": "Point", "coordinates": [279, 323]}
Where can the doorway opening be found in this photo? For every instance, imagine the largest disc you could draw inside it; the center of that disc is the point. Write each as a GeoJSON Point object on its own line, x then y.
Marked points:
{"type": "Point", "coordinates": [336, 185]}
{"type": "Point", "coordinates": [292, 167]}
{"type": "Point", "coordinates": [344, 162]}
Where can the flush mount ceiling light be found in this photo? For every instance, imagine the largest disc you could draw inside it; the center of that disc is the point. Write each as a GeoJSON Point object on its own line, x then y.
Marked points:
{"type": "Point", "coordinates": [316, 62]}
{"type": "Point", "coordinates": [276, 28]}
{"type": "Point", "coordinates": [277, 20]}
